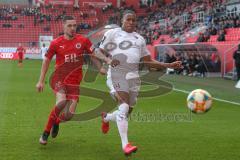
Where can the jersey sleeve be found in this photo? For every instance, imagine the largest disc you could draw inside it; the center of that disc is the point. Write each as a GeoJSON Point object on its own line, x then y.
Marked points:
{"type": "Point", "coordinates": [51, 51]}
{"type": "Point", "coordinates": [107, 38]}
{"type": "Point", "coordinates": [89, 46]}
{"type": "Point", "coordinates": [144, 49]}
{"type": "Point", "coordinates": [18, 50]}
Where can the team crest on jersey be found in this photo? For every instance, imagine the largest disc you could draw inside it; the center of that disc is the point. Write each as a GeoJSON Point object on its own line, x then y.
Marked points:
{"type": "Point", "coordinates": [78, 45]}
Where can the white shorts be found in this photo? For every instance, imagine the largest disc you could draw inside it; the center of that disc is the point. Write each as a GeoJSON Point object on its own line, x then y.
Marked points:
{"type": "Point", "coordinates": [131, 86]}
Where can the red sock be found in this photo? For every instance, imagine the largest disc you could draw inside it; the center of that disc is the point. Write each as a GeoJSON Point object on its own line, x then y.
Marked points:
{"type": "Point", "coordinates": [51, 119]}
{"type": "Point", "coordinates": [60, 118]}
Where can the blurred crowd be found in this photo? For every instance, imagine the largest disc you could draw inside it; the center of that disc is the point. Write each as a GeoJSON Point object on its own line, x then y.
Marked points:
{"type": "Point", "coordinates": [180, 17]}
{"type": "Point", "coordinates": [160, 19]}
{"type": "Point", "coordinates": [41, 15]}
{"type": "Point", "coordinates": [219, 26]}
{"type": "Point", "coordinates": [196, 64]}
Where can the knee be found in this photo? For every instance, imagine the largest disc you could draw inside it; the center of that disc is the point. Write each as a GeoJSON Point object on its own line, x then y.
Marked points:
{"type": "Point", "coordinates": [68, 116]}
{"type": "Point", "coordinates": [123, 111]}
{"type": "Point", "coordinates": [121, 99]}
{"type": "Point", "coordinates": [61, 104]}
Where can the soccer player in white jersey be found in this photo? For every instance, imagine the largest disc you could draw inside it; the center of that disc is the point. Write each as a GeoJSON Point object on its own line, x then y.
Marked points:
{"type": "Point", "coordinates": [126, 48]}
{"type": "Point", "coordinates": [44, 50]}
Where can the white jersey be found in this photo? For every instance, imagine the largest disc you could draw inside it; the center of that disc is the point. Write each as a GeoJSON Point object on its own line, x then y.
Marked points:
{"type": "Point", "coordinates": [126, 47]}
{"type": "Point", "coordinates": [44, 51]}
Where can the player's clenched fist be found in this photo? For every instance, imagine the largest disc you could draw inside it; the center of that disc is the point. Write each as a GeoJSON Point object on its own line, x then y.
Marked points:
{"type": "Point", "coordinates": [176, 65]}
{"type": "Point", "coordinates": [40, 86]}
{"type": "Point", "coordinates": [114, 62]}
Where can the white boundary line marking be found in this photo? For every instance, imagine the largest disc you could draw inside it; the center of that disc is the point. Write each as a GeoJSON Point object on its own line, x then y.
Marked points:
{"type": "Point", "coordinates": [218, 99]}
{"type": "Point", "coordinates": [187, 92]}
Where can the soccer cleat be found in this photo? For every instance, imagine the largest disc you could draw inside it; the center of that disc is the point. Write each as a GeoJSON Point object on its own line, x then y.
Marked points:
{"type": "Point", "coordinates": [129, 149]}
{"type": "Point", "coordinates": [43, 139]}
{"type": "Point", "coordinates": [105, 125]}
{"type": "Point", "coordinates": [54, 131]}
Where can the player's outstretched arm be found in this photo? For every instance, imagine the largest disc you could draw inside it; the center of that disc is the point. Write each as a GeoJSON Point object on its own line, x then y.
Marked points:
{"type": "Point", "coordinates": [151, 63]}
{"type": "Point", "coordinates": [44, 69]}
{"type": "Point", "coordinates": [104, 56]}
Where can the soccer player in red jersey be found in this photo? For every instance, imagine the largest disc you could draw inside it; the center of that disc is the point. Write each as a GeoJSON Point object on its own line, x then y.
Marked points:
{"type": "Point", "coordinates": [20, 51]}
{"type": "Point", "coordinates": [69, 50]}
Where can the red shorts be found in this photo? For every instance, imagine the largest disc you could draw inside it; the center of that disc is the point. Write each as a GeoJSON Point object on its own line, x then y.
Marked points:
{"type": "Point", "coordinates": [67, 82]}
{"type": "Point", "coordinates": [71, 91]}
{"type": "Point", "coordinates": [20, 56]}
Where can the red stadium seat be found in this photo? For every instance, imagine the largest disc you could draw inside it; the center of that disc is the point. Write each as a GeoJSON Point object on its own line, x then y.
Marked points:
{"type": "Point", "coordinates": [30, 33]}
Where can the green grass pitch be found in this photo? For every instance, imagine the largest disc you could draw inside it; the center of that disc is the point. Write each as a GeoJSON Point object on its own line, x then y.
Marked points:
{"type": "Point", "coordinates": [153, 127]}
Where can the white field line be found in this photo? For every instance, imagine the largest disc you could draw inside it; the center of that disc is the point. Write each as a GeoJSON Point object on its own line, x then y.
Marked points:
{"type": "Point", "coordinates": [218, 99]}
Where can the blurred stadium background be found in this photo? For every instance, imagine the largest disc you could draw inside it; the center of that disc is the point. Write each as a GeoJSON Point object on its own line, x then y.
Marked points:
{"type": "Point", "coordinates": [212, 24]}
{"type": "Point", "coordinates": [203, 34]}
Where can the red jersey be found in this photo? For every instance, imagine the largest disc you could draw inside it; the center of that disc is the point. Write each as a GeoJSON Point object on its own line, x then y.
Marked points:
{"type": "Point", "coordinates": [69, 54]}
{"type": "Point", "coordinates": [20, 50]}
